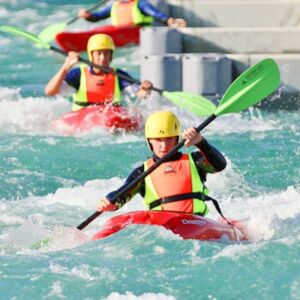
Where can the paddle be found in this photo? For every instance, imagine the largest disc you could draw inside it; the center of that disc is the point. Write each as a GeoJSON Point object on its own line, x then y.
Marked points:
{"type": "Point", "coordinates": [51, 31]}
{"type": "Point", "coordinates": [250, 87]}
{"type": "Point", "coordinates": [196, 104]}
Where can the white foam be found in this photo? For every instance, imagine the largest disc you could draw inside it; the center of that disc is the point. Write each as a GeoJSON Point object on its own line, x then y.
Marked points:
{"type": "Point", "coordinates": [4, 42]}
{"type": "Point", "coordinates": [19, 237]}
{"type": "Point", "coordinates": [33, 115]}
{"type": "Point", "coordinates": [145, 296]}
{"type": "Point", "coordinates": [86, 196]}
{"type": "Point", "coordinates": [61, 238]}
{"type": "Point", "coordinates": [235, 251]}
{"type": "Point", "coordinates": [11, 220]}
{"type": "Point", "coordinates": [250, 122]}
{"type": "Point", "coordinates": [269, 216]}
{"type": "Point", "coordinates": [56, 290]}
{"type": "Point", "coordinates": [80, 271]}
{"type": "Point", "coordinates": [28, 115]}
{"type": "Point", "coordinates": [4, 12]}
{"type": "Point", "coordinates": [229, 183]}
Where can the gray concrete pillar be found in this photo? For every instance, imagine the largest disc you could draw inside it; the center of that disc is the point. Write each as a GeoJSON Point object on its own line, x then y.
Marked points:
{"type": "Point", "coordinates": [164, 71]}
{"type": "Point", "coordinates": [206, 74]}
{"type": "Point", "coordinates": [160, 40]}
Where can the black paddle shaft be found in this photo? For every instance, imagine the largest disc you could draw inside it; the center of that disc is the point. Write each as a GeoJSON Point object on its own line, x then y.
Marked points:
{"type": "Point", "coordinates": [163, 159]}
{"type": "Point", "coordinates": [105, 69]}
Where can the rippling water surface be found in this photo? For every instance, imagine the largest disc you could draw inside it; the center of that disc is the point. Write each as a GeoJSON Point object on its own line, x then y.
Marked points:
{"type": "Point", "coordinates": [50, 183]}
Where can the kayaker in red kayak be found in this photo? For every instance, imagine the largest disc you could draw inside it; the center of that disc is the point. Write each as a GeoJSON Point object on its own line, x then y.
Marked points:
{"type": "Point", "coordinates": [90, 85]}
{"type": "Point", "coordinates": [131, 12]}
{"type": "Point", "coordinates": [178, 184]}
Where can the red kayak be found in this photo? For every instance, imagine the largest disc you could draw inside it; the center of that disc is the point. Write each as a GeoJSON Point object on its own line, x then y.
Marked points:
{"type": "Point", "coordinates": [112, 117]}
{"type": "Point", "coordinates": [187, 226]}
{"type": "Point", "coordinates": [77, 41]}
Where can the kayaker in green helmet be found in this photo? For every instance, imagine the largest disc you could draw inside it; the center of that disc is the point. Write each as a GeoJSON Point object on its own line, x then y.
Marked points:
{"type": "Point", "coordinates": [90, 85]}
{"type": "Point", "coordinates": [131, 12]}
{"type": "Point", "coordinates": [178, 184]}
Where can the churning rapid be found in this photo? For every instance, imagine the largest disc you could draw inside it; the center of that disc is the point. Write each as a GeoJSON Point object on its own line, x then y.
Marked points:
{"type": "Point", "coordinates": [51, 182]}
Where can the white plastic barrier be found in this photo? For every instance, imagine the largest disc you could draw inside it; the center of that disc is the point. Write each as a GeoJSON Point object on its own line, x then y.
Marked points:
{"type": "Point", "coordinates": [164, 71]}
{"type": "Point", "coordinates": [206, 74]}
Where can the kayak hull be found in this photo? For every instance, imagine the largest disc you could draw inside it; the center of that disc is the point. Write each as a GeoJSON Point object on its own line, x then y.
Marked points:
{"type": "Point", "coordinates": [77, 41]}
{"type": "Point", "coordinates": [114, 118]}
{"type": "Point", "coordinates": [187, 226]}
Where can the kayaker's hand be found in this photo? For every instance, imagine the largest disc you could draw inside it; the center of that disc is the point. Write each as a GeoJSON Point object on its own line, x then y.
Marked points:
{"type": "Point", "coordinates": [176, 22]}
{"type": "Point", "coordinates": [71, 60]}
{"type": "Point", "coordinates": [191, 136]}
{"type": "Point", "coordinates": [145, 89]}
{"type": "Point", "coordinates": [83, 13]}
{"type": "Point", "coordinates": [105, 205]}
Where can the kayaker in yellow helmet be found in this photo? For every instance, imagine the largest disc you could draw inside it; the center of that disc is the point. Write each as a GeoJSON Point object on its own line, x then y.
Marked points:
{"type": "Point", "coordinates": [90, 85]}
{"type": "Point", "coordinates": [178, 184]}
{"type": "Point", "coordinates": [131, 12]}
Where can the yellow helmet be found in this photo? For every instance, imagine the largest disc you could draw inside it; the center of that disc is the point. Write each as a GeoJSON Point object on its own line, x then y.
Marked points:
{"type": "Point", "coordinates": [162, 124]}
{"type": "Point", "coordinates": [100, 41]}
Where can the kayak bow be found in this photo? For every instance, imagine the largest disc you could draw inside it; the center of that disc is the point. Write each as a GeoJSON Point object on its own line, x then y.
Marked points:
{"type": "Point", "coordinates": [116, 118]}
{"type": "Point", "coordinates": [187, 226]}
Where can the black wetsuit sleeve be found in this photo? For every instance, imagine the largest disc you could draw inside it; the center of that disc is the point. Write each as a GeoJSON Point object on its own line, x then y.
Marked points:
{"type": "Point", "coordinates": [138, 188]}
{"type": "Point", "coordinates": [208, 159]}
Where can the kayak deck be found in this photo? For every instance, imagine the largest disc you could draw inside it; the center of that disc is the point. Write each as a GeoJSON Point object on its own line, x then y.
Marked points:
{"type": "Point", "coordinates": [107, 116]}
{"type": "Point", "coordinates": [187, 226]}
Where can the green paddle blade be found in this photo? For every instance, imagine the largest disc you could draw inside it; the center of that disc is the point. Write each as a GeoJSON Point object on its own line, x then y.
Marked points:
{"type": "Point", "coordinates": [40, 244]}
{"type": "Point", "coordinates": [250, 87]}
{"type": "Point", "coordinates": [49, 33]}
{"type": "Point", "coordinates": [195, 104]}
{"type": "Point", "coordinates": [18, 32]}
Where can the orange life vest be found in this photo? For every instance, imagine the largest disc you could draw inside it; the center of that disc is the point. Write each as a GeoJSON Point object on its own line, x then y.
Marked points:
{"type": "Point", "coordinates": [128, 13]}
{"type": "Point", "coordinates": [174, 178]}
{"type": "Point", "coordinates": [94, 91]}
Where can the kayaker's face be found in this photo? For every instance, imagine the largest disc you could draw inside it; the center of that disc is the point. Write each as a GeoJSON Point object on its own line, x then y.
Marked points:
{"type": "Point", "coordinates": [102, 57]}
{"type": "Point", "coordinates": [161, 146]}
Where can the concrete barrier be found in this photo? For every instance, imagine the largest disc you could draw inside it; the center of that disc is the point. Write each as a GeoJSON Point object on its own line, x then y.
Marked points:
{"type": "Point", "coordinates": [164, 71]}
{"type": "Point", "coordinates": [252, 30]}
{"type": "Point", "coordinates": [160, 40]}
{"type": "Point", "coordinates": [210, 76]}
{"type": "Point", "coordinates": [206, 74]}
{"type": "Point", "coordinates": [241, 40]}
{"type": "Point", "coordinates": [237, 13]}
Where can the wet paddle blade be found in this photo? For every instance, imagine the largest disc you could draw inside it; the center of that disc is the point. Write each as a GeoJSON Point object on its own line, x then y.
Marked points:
{"type": "Point", "coordinates": [18, 32]}
{"type": "Point", "coordinates": [250, 87]}
{"type": "Point", "coordinates": [40, 244]}
{"type": "Point", "coordinates": [195, 104]}
{"type": "Point", "coordinates": [49, 33]}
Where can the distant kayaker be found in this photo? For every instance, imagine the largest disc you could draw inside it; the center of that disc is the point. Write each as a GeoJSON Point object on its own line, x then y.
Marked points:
{"type": "Point", "coordinates": [178, 184]}
{"type": "Point", "coordinates": [90, 85]}
{"type": "Point", "coordinates": [131, 12]}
